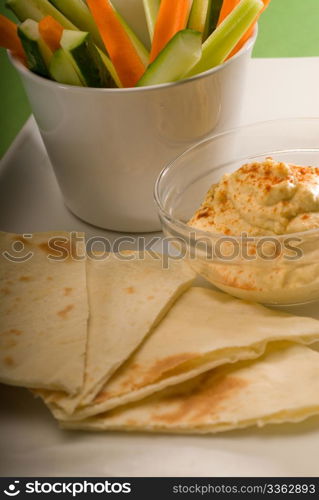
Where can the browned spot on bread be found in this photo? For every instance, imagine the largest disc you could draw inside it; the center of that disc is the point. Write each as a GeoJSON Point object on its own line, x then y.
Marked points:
{"type": "Point", "coordinates": [49, 278]}
{"type": "Point", "coordinates": [67, 291]}
{"type": "Point", "coordinates": [8, 360]}
{"type": "Point", "coordinates": [150, 297]}
{"type": "Point", "coordinates": [129, 290]}
{"type": "Point", "coordinates": [165, 365]}
{"type": "Point", "coordinates": [131, 422]}
{"type": "Point", "coordinates": [137, 376]}
{"type": "Point", "coordinates": [14, 331]}
{"type": "Point", "coordinates": [45, 247]}
{"type": "Point", "coordinates": [203, 401]}
{"type": "Point", "coordinates": [102, 396]}
{"type": "Point", "coordinates": [25, 278]}
{"type": "Point", "coordinates": [59, 248]}
{"type": "Point", "coordinates": [5, 291]}
{"type": "Point", "coordinates": [133, 371]}
{"type": "Point", "coordinates": [63, 314]}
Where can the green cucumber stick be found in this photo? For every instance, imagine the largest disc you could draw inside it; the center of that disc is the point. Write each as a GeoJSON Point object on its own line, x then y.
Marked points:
{"type": "Point", "coordinates": [62, 69]}
{"type": "Point", "coordinates": [79, 14]}
{"type": "Point", "coordinates": [37, 52]}
{"type": "Point", "coordinates": [200, 15]}
{"type": "Point", "coordinates": [226, 36]}
{"type": "Point", "coordinates": [110, 66]}
{"type": "Point", "coordinates": [151, 8]}
{"type": "Point", "coordinates": [36, 10]}
{"type": "Point", "coordinates": [177, 57]}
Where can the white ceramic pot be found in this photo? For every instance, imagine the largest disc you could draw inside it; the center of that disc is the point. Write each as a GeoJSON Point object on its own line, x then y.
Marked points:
{"type": "Point", "coordinates": [107, 146]}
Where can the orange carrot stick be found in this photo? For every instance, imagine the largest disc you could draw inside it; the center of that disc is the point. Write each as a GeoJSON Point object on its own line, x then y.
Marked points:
{"type": "Point", "coordinates": [248, 33]}
{"type": "Point", "coordinates": [227, 7]}
{"type": "Point", "coordinates": [51, 32]}
{"type": "Point", "coordinates": [172, 17]}
{"type": "Point", "coordinates": [9, 38]}
{"type": "Point", "coordinates": [122, 52]}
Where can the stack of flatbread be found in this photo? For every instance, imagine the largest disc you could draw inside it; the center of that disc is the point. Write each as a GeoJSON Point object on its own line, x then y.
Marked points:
{"type": "Point", "coordinates": [117, 342]}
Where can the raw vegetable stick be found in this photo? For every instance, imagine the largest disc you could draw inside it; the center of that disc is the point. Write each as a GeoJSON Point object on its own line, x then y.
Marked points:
{"type": "Point", "coordinates": [127, 63]}
{"type": "Point", "coordinates": [36, 10]}
{"type": "Point", "coordinates": [227, 7]}
{"type": "Point", "coordinates": [78, 13]}
{"type": "Point", "coordinates": [248, 33]}
{"type": "Point", "coordinates": [177, 57]}
{"type": "Point", "coordinates": [38, 54]}
{"type": "Point", "coordinates": [199, 17]}
{"type": "Point", "coordinates": [138, 45]}
{"type": "Point", "coordinates": [51, 32]}
{"type": "Point", "coordinates": [110, 66]}
{"type": "Point", "coordinates": [62, 69]}
{"type": "Point", "coordinates": [151, 8]}
{"type": "Point", "coordinates": [9, 37]}
{"type": "Point", "coordinates": [214, 16]}
{"type": "Point", "coordinates": [86, 59]}
{"type": "Point", "coordinates": [172, 17]}
{"type": "Point", "coordinates": [222, 41]}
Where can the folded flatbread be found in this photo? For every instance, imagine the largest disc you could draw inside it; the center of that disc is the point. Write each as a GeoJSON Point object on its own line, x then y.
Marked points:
{"type": "Point", "coordinates": [43, 310]}
{"type": "Point", "coordinates": [282, 386]}
{"type": "Point", "coordinates": [128, 295]}
{"type": "Point", "coordinates": [204, 329]}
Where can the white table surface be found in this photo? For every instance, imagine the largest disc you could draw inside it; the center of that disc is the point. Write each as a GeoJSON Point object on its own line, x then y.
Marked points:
{"type": "Point", "coordinates": [30, 441]}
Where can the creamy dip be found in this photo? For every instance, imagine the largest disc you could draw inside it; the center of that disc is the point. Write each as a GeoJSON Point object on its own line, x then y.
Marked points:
{"type": "Point", "coordinates": [259, 199]}
{"type": "Point", "coordinates": [268, 199]}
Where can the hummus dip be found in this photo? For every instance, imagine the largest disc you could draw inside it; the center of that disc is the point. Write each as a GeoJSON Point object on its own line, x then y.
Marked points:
{"type": "Point", "coordinates": [268, 201]}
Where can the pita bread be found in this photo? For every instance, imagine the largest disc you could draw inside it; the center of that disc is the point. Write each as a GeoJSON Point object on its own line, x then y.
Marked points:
{"type": "Point", "coordinates": [126, 298]}
{"type": "Point", "coordinates": [43, 311]}
{"type": "Point", "coordinates": [282, 386]}
{"type": "Point", "coordinates": [203, 330]}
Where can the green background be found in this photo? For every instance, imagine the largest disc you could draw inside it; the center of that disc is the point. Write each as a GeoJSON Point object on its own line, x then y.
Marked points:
{"type": "Point", "coordinates": [288, 28]}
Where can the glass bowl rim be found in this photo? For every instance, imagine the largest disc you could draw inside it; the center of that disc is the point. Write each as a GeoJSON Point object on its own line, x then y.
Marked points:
{"type": "Point", "coordinates": [181, 227]}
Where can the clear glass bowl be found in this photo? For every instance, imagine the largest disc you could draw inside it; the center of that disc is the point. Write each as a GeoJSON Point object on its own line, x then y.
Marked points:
{"type": "Point", "coordinates": [285, 268]}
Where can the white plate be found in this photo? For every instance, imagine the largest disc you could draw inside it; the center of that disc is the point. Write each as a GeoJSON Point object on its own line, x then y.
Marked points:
{"type": "Point", "coordinates": [31, 442]}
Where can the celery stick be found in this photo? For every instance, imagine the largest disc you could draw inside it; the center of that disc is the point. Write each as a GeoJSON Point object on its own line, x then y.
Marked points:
{"type": "Point", "coordinates": [200, 15]}
{"type": "Point", "coordinates": [226, 36]}
{"type": "Point", "coordinates": [79, 14]}
{"type": "Point", "coordinates": [151, 8]}
{"type": "Point", "coordinates": [36, 10]}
